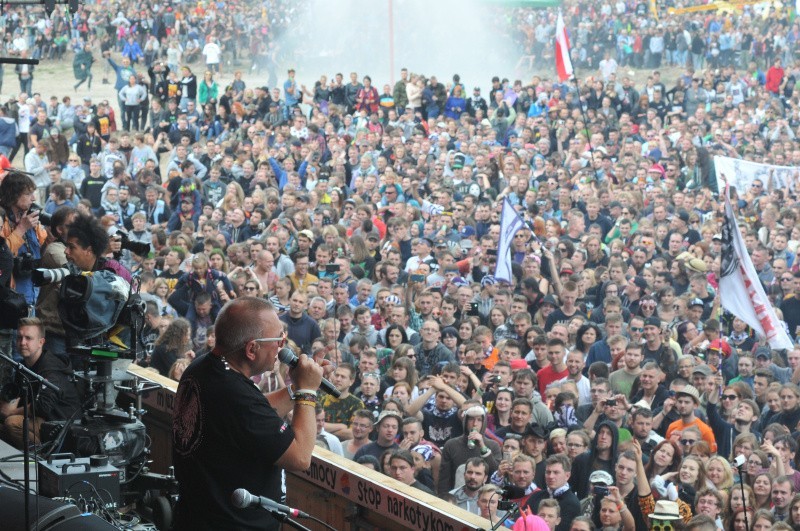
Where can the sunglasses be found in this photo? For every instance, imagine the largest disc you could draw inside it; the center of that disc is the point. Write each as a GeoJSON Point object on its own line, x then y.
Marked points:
{"type": "Point", "coordinates": [688, 442]}
{"type": "Point", "coordinates": [637, 329]}
{"type": "Point", "coordinates": [281, 341]}
{"type": "Point", "coordinates": [730, 397]}
{"type": "Point", "coordinates": [250, 288]}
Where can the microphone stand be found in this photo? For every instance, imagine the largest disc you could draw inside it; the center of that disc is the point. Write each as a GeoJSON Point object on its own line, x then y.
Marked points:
{"type": "Point", "coordinates": [25, 376]}
{"type": "Point", "coordinates": [512, 514]}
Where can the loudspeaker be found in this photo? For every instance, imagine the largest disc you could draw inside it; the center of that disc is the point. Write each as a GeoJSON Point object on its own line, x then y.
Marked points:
{"type": "Point", "coordinates": [50, 512]}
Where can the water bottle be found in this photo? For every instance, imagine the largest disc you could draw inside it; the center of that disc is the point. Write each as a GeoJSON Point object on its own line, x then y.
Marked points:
{"type": "Point", "coordinates": [471, 442]}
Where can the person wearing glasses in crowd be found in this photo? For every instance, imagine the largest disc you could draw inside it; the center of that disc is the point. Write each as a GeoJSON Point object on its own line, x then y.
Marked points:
{"type": "Point", "coordinates": [686, 400]}
{"type": "Point", "coordinates": [226, 434]}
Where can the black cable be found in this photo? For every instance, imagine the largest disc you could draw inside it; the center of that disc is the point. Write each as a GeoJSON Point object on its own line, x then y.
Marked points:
{"type": "Point", "coordinates": [314, 518]}
{"type": "Point", "coordinates": [59, 440]}
{"type": "Point", "coordinates": [491, 523]}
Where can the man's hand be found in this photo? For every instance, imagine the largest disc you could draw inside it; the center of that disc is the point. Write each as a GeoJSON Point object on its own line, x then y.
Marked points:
{"type": "Point", "coordinates": [669, 403]}
{"type": "Point", "coordinates": [477, 437]}
{"type": "Point", "coordinates": [29, 221]}
{"type": "Point", "coordinates": [9, 408]}
{"type": "Point", "coordinates": [437, 383]}
{"type": "Point", "coordinates": [307, 374]}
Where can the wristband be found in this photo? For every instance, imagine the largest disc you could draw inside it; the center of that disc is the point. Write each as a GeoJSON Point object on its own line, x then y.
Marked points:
{"type": "Point", "coordinates": [290, 390]}
{"type": "Point", "coordinates": [306, 392]}
{"type": "Point", "coordinates": [306, 397]}
{"type": "Point", "coordinates": [486, 451]}
{"type": "Point", "coordinates": [305, 403]}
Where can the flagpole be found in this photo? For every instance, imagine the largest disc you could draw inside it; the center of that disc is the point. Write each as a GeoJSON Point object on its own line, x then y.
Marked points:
{"type": "Point", "coordinates": [578, 93]}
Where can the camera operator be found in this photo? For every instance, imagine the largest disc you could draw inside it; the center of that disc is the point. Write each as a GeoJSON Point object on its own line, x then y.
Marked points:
{"type": "Point", "coordinates": [87, 243]}
{"type": "Point", "coordinates": [23, 232]}
{"type": "Point", "coordinates": [48, 404]}
{"type": "Point", "coordinates": [54, 257]}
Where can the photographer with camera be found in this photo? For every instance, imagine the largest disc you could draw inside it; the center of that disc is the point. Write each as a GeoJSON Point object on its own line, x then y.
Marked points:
{"type": "Point", "coordinates": [54, 257]}
{"type": "Point", "coordinates": [87, 244]}
{"type": "Point", "coordinates": [22, 230]}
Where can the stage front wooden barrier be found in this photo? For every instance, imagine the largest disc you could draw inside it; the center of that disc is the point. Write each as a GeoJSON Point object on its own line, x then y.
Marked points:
{"type": "Point", "coordinates": [345, 495]}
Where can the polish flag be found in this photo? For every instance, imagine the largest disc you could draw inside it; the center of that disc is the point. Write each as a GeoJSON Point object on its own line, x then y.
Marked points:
{"type": "Point", "coordinates": [563, 61]}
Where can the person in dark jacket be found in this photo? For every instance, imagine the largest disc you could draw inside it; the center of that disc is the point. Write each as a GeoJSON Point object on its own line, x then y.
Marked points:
{"type": "Point", "coordinates": [82, 67]}
{"type": "Point", "coordinates": [557, 475]}
{"type": "Point", "coordinates": [48, 404]}
{"type": "Point", "coordinates": [600, 456]}
{"type": "Point", "coordinates": [472, 443]}
{"type": "Point", "coordinates": [725, 432]}
{"type": "Point", "coordinates": [202, 279]}
{"type": "Point", "coordinates": [302, 329]}
{"type": "Point", "coordinates": [431, 351]}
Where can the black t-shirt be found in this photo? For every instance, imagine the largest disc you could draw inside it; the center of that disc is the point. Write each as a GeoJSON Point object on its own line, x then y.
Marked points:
{"type": "Point", "coordinates": [225, 436]}
{"type": "Point", "coordinates": [439, 430]}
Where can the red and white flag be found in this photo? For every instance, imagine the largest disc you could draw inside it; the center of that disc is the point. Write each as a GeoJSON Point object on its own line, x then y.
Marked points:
{"type": "Point", "coordinates": [741, 292]}
{"type": "Point", "coordinates": [563, 60]}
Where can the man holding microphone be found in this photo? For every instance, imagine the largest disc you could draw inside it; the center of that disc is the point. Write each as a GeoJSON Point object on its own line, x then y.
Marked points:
{"type": "Point", "coordinates": [226, 435]}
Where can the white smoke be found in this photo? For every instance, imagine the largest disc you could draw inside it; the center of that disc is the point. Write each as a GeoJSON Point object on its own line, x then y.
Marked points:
{"type": "Point", "coordinates": [431, 37]}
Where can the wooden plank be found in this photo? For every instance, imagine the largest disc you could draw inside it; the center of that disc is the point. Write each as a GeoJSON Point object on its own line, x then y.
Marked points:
{"type": "Point", "coordinates": [405, 505]}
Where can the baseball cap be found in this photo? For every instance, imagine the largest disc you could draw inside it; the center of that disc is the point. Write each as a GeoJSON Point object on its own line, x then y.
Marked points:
{"type": "Point", "coordinates": [653, 321]}
{"type": "Point", "coordinates": [763, 352]}
{"type": "Point", "coordinates": [467, 231]}
{"type": "Point", "coordinates": [703, 369]}
{"type": "Point", "coordinates": [601, 477]}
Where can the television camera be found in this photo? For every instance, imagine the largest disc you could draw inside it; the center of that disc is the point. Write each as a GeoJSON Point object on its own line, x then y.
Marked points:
{"type": "Point", "coordinates": [103, 316]}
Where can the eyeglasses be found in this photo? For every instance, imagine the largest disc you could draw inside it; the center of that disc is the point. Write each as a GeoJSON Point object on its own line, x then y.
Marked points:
{"type": "Point", "coordinates": [730, 397]}
{"type": "Point", "coordinates": [688, 442]}
{"type": "Point", "coordinates": [250, 288]}
{"type": "Point", "coordinates": [662, 527]}
{"type": "Point", "coordinates": [281, 341]}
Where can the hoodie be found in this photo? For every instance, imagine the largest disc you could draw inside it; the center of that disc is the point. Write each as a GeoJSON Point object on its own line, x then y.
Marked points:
{"type": "Point", "coordinates": [588, 462]}
{"type": "Point", "coordinates": [456, 452]}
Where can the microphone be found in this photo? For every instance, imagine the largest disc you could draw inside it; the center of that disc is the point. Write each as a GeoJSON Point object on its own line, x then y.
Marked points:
{"type": "Point", "coordinates": [18, 61]}
{"type": "Point", "coordinates": [242, 499]}
{"type": "Point", "coordinates": [288, 357]}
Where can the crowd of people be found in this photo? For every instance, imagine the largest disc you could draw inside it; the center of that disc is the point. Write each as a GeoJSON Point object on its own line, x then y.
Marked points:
{"type": "Point", "coordinates": [600, 386]}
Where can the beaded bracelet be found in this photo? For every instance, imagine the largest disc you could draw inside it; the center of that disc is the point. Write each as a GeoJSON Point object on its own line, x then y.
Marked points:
{"type": "Point", "coordinates": [305, 403]}
{"type": "Point", "coordinates": [305, 396]}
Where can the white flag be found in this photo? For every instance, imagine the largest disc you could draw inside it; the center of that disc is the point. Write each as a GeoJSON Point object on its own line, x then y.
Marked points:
{"type": "Point", "coordinates": [564, 68]}
{"type": "Point", "coordinates": [741, 292]}
{"type": "Point", "coordinates": [510, 223]}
